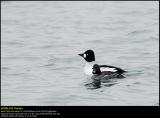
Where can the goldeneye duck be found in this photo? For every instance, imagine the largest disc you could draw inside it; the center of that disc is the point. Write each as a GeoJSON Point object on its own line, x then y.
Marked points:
{"type": "Point", "coordinates": [89, 58]}
{"type": "Point", "coordinates": [98, 75]}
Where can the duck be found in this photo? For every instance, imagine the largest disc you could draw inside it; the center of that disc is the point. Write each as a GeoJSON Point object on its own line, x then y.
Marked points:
{"type": "Point", "coordinates": [89, 58]}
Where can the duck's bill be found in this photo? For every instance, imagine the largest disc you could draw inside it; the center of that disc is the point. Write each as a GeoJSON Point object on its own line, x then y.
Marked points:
{"type": "Point", "coordinates": [81, 55]}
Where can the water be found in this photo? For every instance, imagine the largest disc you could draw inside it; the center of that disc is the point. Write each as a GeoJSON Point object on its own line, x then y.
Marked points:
{"type": "Point", "coordinates": [41, 40]}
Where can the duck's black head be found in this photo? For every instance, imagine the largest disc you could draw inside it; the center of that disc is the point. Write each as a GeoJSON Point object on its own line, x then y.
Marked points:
{"type": "Point", "coordinates": [88, 55]}
{"type": "Point", "coordinates": [96, 69]}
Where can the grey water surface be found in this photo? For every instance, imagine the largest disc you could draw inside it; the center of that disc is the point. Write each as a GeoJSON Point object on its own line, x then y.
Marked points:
{"type": "Point", "coordinates": [40, 41]}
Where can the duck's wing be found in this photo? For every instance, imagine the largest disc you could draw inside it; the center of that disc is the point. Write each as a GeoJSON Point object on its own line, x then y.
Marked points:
{"type": "Point", "coordinates": [111, 68]}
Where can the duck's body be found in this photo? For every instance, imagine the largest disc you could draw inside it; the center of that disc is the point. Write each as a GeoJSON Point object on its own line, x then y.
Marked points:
{"type": "Point", "coordinates": [89, 65]}
{"type": "Point", "coordinates": [98, 74]}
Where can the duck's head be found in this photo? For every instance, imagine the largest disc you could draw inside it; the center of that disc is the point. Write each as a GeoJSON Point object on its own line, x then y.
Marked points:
{"type": "Point", "coordinates": [88, 55]}
{"type": "Point", "coordinates": [96, 69]}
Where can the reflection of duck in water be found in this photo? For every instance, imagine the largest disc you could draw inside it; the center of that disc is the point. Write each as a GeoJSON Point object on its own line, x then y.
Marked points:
{"type": "Point", "coordinates": [104, 77]}
{"type": "Point", "coordinates": [98, 75]}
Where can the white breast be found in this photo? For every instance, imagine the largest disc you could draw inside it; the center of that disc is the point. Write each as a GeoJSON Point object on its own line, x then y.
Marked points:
{"type": "Point", "coordinates": [88, 68]}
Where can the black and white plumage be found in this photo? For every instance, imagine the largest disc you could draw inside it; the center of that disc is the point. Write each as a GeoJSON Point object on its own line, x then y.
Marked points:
{"type": "Point", "coordinates": [89, 57]}
{"type": "Point", "coordinates": [99, 75]}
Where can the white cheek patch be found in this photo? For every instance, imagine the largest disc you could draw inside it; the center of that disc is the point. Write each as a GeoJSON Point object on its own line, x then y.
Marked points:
{"type": "Point", "coordinates": [84, 55]}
